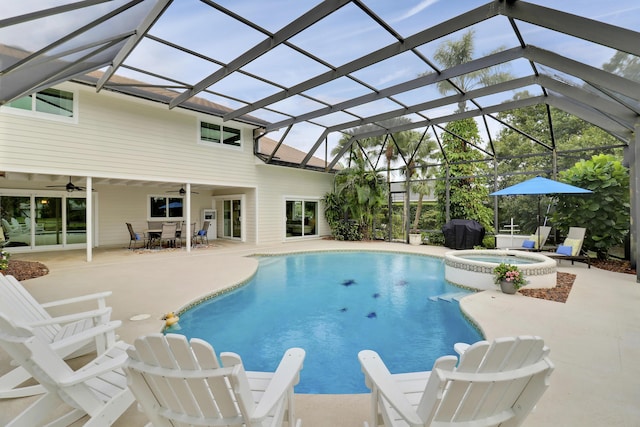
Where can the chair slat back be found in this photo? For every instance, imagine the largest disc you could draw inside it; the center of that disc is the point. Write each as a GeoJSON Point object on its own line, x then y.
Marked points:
{"type": "Point", "coordinates": [132, 234]}
{"type": "Point", "coordinates": [22, 307]}
{"type": "Point", "coordinates": [500, 381]}
{"type": "Point", "coordinates": [577, 233]}
{"type": "Point", "coordinates": [176, 379]}
{"type": "Point", "coordinates": [168, 230]}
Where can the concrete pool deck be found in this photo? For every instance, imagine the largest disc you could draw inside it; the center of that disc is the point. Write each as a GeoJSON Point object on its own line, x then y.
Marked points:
{"type": "Point", "coordinates": [594, 337]}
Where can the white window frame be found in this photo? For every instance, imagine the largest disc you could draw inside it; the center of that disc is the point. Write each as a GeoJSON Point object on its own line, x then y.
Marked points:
{"type": "Point", "coordinates": [42, 115]}
{"type": "Point", "coordinates": [166, 217]}
{"type": "Point", "coordinates": [221, 143]}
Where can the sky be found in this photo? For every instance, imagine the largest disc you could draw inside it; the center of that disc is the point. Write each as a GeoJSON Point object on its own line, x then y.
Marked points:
{"type": "Point", "coordinates": [341, 37]}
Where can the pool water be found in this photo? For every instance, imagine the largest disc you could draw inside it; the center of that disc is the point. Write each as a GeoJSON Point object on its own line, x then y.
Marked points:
{"type": "Point", "coordinates": [334, 304]}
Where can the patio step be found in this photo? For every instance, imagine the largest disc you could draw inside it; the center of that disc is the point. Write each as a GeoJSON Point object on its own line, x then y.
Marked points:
{"type": "Point", "coordinates": [449, 297]}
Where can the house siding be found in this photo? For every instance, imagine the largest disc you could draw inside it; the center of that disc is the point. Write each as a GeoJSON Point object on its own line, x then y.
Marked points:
{"type": "Point", "coordinates": [120, 137]}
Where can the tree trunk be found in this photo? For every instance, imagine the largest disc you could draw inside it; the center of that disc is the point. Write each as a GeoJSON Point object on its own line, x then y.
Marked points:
{"type": "Point", "coordinates": [416, 220]}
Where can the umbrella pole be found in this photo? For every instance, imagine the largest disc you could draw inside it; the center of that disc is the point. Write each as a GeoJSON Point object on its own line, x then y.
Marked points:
{"type": "Point", "coordinates": [539, 245]}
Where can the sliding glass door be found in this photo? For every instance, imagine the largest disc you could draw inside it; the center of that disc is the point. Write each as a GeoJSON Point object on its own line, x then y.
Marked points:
{"type": "Point", "coordinates": [232, 214]}
{"type": "Point", "coordinates": [43, 220]}
{"type": "Point", "coordinates": [301, 218]}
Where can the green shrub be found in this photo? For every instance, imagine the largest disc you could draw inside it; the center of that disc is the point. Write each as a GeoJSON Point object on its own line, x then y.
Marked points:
{"type": "Point", "coordinates": [605, 213]}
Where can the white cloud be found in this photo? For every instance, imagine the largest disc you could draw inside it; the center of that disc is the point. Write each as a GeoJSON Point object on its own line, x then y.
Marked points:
{"type": "Point", "coordinates": [416, 9]}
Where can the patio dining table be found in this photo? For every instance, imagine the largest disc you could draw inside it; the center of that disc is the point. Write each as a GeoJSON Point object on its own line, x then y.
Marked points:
{"type": "Point", "coordinates": [152, 233]}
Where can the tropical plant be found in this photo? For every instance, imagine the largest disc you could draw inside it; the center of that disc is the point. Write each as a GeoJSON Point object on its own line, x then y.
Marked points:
{"type": "Point", "coordinates": [509, 273]}
{"type": "Point", "coordinates": [468, 189]}
{"type": "Point", "coordinates": [358, 196]}
{"type": "Point", "coordinates": [605, 213]}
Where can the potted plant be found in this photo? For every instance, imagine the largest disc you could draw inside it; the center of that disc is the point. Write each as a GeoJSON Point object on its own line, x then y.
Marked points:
{"type": "Point", "coordinates": [509, 277]}
{"type": "Point", "coordinates": [415, 237]}
{"type": "Point", "coordinates": [4, 259]}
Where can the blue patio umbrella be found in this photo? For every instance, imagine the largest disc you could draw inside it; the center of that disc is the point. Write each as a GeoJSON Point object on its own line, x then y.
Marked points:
{"type": "Point", "coordinates": [172, 205]}
{"type": "Point", "coordinates": [540, 186]}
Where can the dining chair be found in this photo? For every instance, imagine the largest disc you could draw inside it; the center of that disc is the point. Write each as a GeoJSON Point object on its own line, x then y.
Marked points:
{"type": "Point", "coordinates": [168, 234]}
{"type": "Point", "coordinates": [135, 237]}
{"type": "Point", "coordinates": [201, 234]}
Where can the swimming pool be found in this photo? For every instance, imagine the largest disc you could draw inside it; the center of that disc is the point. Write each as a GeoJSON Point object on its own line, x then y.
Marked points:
{"type": "Point", "coordinates": [334, 304]}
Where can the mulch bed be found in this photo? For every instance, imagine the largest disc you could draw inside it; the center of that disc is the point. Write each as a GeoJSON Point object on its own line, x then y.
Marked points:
{"type": "Point", "coordinates": [558, 294]}
{"type": "Point", "coordinates": [23, 270]}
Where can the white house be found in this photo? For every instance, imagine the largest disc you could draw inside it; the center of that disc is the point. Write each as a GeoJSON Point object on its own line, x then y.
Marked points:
{"type": "Point", "coordinates": [144, 162]}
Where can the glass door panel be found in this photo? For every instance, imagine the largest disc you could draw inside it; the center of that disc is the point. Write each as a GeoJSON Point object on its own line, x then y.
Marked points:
{"type": "Point", "coordinates": [310, 215]}
{"type": "Point", "coordinates": [237, 219]}
{"type": "Point", "coordinates": [226, 232]}
{"type": "Point", "coordinates": [294, 218]}
{"type": "Point", "coordinates": [76, 220]}
{"type": "Point", "coordinates": [49, 218]}
{"type": "Point", "coordinates": [14, 210]}
{"type": "Point", "coordinates": [232, 219]}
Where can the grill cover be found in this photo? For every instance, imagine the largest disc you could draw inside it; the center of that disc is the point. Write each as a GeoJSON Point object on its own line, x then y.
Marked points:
{"type": "Point", "coordinates": [462, 234]}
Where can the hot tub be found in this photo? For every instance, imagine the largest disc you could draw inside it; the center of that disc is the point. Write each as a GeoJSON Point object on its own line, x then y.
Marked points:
{"type": "Point", "coordinates": [474, 268]}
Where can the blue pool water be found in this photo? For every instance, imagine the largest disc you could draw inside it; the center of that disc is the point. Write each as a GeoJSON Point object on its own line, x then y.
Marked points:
{"type": "Point", "coordinates": [334, 304]}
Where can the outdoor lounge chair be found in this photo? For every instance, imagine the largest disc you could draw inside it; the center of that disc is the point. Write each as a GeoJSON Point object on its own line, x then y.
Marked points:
{"type": "Point", "coordinates": [180, 382]}
{"type": "Point", "coordinates": [537, 240]}
{"type": "Point", "coordinates": [494, 384]}
{"type": "Point", "coordinates": [98, 389]}
{"type": "Point", "coordinates": [69, 335]}
{"type": "Point", "coordinates": [571, 248]}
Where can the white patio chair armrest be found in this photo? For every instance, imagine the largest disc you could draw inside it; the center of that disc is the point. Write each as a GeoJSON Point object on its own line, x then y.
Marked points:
{"type": "Point", "coordinates": [69, 318]}
{"type": "Point", "coordinates": [86, 335]}
{"type": "Point", "coordinates": [461, 347]}
{"type": "Point", "coordinates": [105, 363]}
{"type": "Point", "coordinates": [99, 296]}
{"type": "Point", "coordinates": [379, 378]}
{"type": "Point", "coordinates": [285, 377]}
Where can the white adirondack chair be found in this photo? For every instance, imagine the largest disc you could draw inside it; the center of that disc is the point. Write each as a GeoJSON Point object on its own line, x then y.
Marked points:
{"type": "Point", "coordinates": [70, 335]}
{"type": "Point", "coordinates": [494, 384]}
{"type": "Point", "coordinates": [97, 390]}
{"type": "Point", "coordinates": [177, 382]}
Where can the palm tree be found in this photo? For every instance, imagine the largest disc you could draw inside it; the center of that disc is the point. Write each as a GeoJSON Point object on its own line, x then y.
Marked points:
{"type": "Point", "coordinates": [455, 52]}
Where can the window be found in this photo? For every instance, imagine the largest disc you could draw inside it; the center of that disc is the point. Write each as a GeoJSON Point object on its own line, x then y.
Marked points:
{"type": "Point", "coordinates": [55, 102]}
{"type": "Point", "coordinates": [301, 218]}
{"type": "Point", "coordinates": [210, 132]}
{"type": "Point", "coordinates": [161, 207]}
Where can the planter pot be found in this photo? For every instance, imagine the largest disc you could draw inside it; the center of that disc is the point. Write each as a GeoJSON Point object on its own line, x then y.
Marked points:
{"type": "Point", "coordinates": [415, 239]}
{"type": "Point", "coordinates": [507, 287]}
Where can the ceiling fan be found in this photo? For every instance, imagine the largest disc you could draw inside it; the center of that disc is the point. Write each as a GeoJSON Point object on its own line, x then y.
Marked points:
{"type": "Point", "coordinates": [70, 186]}
{"type": "Point", "coordinates": [182, 191]}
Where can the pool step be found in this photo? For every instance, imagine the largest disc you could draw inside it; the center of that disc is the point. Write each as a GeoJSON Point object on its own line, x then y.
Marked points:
{"type": "Point", "coordinates": [451, 296]}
